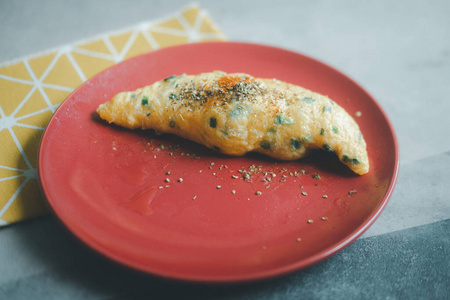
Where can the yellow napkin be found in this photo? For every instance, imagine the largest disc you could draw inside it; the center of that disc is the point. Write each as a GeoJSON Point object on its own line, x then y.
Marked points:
{"type": "Point", "coordinates": [32, 88]}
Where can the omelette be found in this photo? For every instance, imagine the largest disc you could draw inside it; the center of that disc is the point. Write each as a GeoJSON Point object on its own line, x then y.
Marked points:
{"type": "Point", "coordinates": [238, 113]}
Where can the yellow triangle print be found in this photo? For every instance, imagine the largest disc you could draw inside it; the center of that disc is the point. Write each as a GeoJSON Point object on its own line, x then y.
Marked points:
{"type": "Point", "coordinates": [17, 70]}
{"type": "Point", "coordinates": [8, 173]}
{"type": "Point", "coordinates": [10, 157]}
{"type": "Point", "coordinates": [39, 120]}
{"type": "Point", "coordinates": [96, 46]}
{"type": "Point", "coordinates": [91, 65]}
{"type": "Point", "coordinates": [172, 24]}
{"type": "Point", "coordinates": [40, 64]}
{"type": "Point", "coordinates": [139, 46]}
{"type": "Point", "coordinates": [35, 103]}
{"type": "Point", "coordinates": [191, 15]}
{"type": "Point", "coordinates": [29, 139]}
{"type": "Point", "coordinates": [56, 96]}
{"type": "Point", "coordinates": [27, 204]}
{"type": "Point", "coordinates": [165, 40]}
{"type": "Point", "coordinates": [120, 40]}
{"type": "Point", "coordinates": [8, 188]}
{"type": "Point", "coordinates": [64, 74]}
{"type": "Point", "coordinates": [207, 26]}
{"type": "Point", "coordinates": [9, 92]}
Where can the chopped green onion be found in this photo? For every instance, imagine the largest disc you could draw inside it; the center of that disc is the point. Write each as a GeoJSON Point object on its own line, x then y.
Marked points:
{"type": "Point", "coordinates": [265, 145]}
{"type": "Point", "coordinates": [322, 131]}
{"type": "Point", "coordinates": [327, 147]}
{"type": "Point", "coordinates": [277, 120]}
{"type": "Point", "coordinates": [308, 100]}
{"type": "Point", "coordinates": [295, 144]}
{"type": "Point", "coordinates": [335, 129]}
{"type": "Point", "coordinates": [172, 96]}
{"type": "Point", "coordinates": [282, 120]}
{"type": "Point", "coordinates": [133, 95]}
{"type": "Point", "coordinates": [355, 161]}
{"type": "Point", "coordinates": [212, 122]}
{"type": "Point", "coordinates": [170, 78]}
{"type": "Point", "coordinates": [144, 100]}
{"type": "Point", "coordinates": [326, 109]}
{"type": "Point", "coordinates": [237, 111]}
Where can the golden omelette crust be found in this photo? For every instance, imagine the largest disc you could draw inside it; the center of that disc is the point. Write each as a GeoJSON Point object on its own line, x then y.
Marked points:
{"type": "Point", "coordinates": [237, 113]}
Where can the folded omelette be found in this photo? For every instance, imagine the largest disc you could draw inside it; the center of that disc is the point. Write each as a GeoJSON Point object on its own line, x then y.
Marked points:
{"type": "Point", "coordinates": [237, 113]}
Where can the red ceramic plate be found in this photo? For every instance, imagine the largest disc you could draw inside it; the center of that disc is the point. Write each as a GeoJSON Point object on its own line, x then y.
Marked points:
{"type": "Point", "coordinates": [119, 191]}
